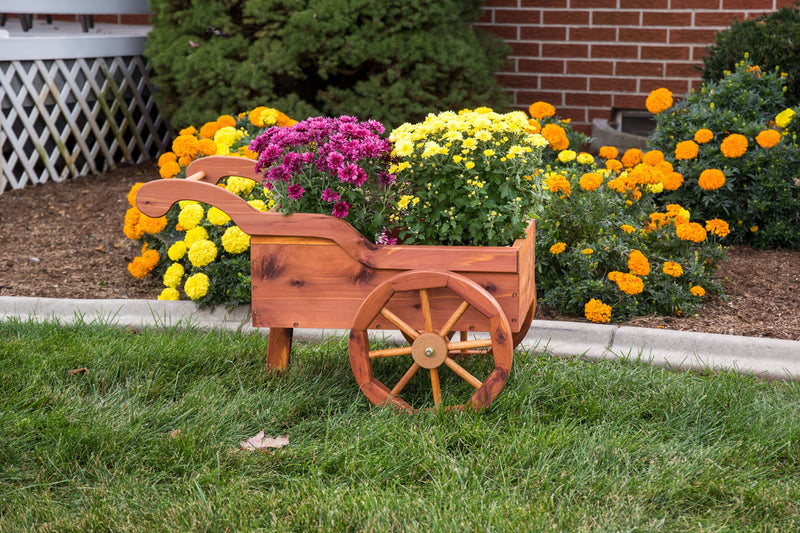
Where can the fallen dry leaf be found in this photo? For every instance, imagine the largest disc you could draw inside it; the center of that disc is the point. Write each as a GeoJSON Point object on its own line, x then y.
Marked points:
{"type": "Point", "coordinates": [261, 442]}
{"type": "Point", "coordinates": [174, 433]}
{"type": "Point", "coordinates": [79, 371]}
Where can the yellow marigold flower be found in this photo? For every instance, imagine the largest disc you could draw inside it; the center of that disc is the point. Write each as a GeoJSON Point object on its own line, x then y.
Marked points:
{"type": "Point", "coordinates": [638, 263]}
{"type": "Point", "coordinates": [672, 181]}
{"type": "Point", "coordinates": [655, 189]}
{"type": "Point", "coordinates": [686, 150]}
{"type": "Point", "coordinates": [734, 145]}
{"type": "Point", "coordinates": [697, 290]}
{"type": "Point", "coordinates": [558, 183]}
{"type": "Point", "coordinates": [653, 157]}
{"type": "Point", "coordinates": [177, 251]}
{"type": "Point", "coordinates": [239, 185]}
{"type": "Point", "coordinates": [711, 179]}
{"type": "Point", "coordinates": [217, 217]}
{"type": "Point", "coordinates": [540, 110]}
{"type": "Point", "coordinates": [628, 283]}
{"type": "Point", "coordinates": [202, 252]}
{"type": "Point", "coordinates": [196, 286]}
{"type": "Point", "coordinates": [608, 152]}
{"type": "Point", "coordinates": [754, 228]}
{"type": "Point", "coordinates": [556, 137]}
{"type": "Point", "coordinates": [169, 170]}
{"type": "Point", "coordinates": [673, 269]}
{"type": "Point", "coordinates": [198, 233]}
{"type": "Point", "coordinates": [190, 216]}
{"type": "Point", "coordinates": [587, 251]}
{"type": "Point", "coordinates": [184, 145]}
{"type": "Point", "coordinates": [627, 228]}
{"type": "Point", "coordinates": [783, 118]}
{"type": "Point", "coordinates": [597, 311]}
{"type": "Point", "coordinates": [768, 138]}
{"type": "Point", "coordinates": [591, 181]}
{"type": "Point", "coordinates": [558, 247]}
{"type": "Point", "coordinates": [166, 157]}
{"type": "Point", "coordinates": [565, 156]}
{"type": "Point", "coordinates": [169, 293]}
{"type": "Point", "coordinates": [691, 231]}
{"type": "Point", "coordinates": [255, 116]}
{"type": "Point", "coordinates": [174, 275]}
{"type": "Point", "coordinates": [235, 241]}
{"type": "Point", "coordinates": [718, 227]}
{"type": "Point", "coordinates": [613, 165]}
{"type": "Point", "coordinates": [659, 100]}
{"type": "Point", "coordinates": [703, 135]}
{"type": "Point", "coordinates": [632, 157]}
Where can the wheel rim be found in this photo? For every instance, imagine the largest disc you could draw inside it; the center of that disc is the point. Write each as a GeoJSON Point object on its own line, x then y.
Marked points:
{"type": "Point", "coordinates": [432, 348]}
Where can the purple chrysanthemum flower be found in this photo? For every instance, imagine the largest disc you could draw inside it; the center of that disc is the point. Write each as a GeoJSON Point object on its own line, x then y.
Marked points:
{"type": "Point", "coordinates": [330, 195]}
{"type": "Point", "coordinates": [352, 173]}
{"type": "Point", "coordinates": [340, 209]}
{"type": "Point", "coordinates": [295, 191]}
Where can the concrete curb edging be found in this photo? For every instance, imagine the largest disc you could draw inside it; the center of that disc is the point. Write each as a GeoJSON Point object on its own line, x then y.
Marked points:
{"type": "Point", "coordinates": [768, 358]}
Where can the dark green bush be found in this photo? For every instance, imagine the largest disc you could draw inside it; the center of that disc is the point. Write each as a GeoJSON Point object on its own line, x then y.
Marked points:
{"type": "Point", "coordinates": [772, 41]}
{"type": "Point", "coordinates": [389, 60]}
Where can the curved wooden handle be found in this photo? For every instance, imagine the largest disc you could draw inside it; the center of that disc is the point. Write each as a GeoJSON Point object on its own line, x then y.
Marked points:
{"type": "Point", "coordinates": [217, 167]}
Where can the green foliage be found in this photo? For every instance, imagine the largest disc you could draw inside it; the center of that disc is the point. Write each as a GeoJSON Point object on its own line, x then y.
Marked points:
{"type": "Point", "coordinates": [387, 60]}
{"type": "Point", "coordinates": [760, 197]}
{"type": "Point", "coordinates": [773, 42]}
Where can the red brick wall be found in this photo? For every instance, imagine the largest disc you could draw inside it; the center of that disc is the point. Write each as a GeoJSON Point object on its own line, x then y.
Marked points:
{"type": "Point", "coordinates": [590, 58]}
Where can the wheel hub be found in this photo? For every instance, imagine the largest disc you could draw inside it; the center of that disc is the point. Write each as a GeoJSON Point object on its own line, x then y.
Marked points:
{"type": "Point", "coordinates": [429, 350]}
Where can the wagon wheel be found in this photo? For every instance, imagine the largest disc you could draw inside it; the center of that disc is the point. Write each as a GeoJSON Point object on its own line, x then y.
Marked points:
{"type": "Point", "coordinates": [432, 346]}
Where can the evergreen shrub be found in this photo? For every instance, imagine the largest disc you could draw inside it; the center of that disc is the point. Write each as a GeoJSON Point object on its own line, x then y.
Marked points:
{"type": "Point", "coordinates": [374, 59]}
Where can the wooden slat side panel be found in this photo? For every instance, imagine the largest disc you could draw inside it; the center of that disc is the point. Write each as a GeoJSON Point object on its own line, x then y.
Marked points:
{"type": "Point", "coordinates": [527, 274]}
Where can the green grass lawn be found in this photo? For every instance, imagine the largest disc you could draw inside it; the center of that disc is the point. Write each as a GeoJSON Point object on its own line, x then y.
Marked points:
{"type": "Point", "coordinates": [569, 445]}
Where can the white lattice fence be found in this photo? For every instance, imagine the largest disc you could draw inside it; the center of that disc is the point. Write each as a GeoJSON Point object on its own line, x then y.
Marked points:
{"type": "Point", "coordinates": [68, 117]}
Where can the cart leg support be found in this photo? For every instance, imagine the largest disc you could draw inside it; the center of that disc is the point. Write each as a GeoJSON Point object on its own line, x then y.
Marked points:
{"type": "Point", "coordinates": [279, 347]}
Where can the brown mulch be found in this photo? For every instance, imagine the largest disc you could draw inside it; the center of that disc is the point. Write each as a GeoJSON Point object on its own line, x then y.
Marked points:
{"type": "Point", "coordinates": [65, 240]}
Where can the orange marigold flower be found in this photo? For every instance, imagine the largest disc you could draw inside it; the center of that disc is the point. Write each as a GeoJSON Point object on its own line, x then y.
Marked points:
{"type": "Point", "coordinates": [591, 181]}
{"type": "Point", "coordinates": [556, 136]}
{"type": "Point", "coordinates": [697, 290]}
{"type": "Point", "coordinates": [671, 268]}
{"type": "Point", "coordinates": [184, 160]}
{"type": "Point", "coordinates": [690, 231]}
{"type": "Point", "coordinates": [166, 157]}
{"type": "Point", "coordinates": [191, 130]}
{"type": "Point", "coordinates": [638, 263]}
{"type": "Point", "coordinates": [711, 179]}
{"type": "Point", "coordinates": [255, 116]}
{"type": "Point", "coordinates": [643, 174]}
{"type": "Point", "coordinates": [597, 311]}
{"type": "Point", "coordinates": [132, 229]}
{"type": "Point", "coordinates": [659, 100]}
{"type": "Point", "coordinates": [628, 283]}
{"type": "Point", "coordinates": [768, 138]}
{"type": "Point", "coordinates": [617, 184]}
{"type": "Point", "coordinates": [653, 157]}
{"type": "Point", "coordinates": [142, 265]}
{"type": "Point", "coordinates": [152, 225]}
{"type": "Point", "coordinates": [534, 126]}
{"type": "Point", "coordinates": [686, 150]}
{"type": "Point", "coordinates": [627, 228]}
{"type": "Point", "coordinates": [672, 181]}
{"type": "Point", "coordinates": [665, 167]}
{"type": "Point", "coordinates": [608, 152]}
{"type": "Point", "coordinates": [208, 130]}
{"type": "Point", "coordinates": [613, 165]}
{"type": "Point", "coordinates": [659, 219]}
{"type": "Point", "coordinates": [226, 121]}
{"type": "Point", "coordinates": [558, 183]}
{"type": "Point", "coordinates": [703, 135]}
{"type": "Point", "coordinates": [558, 247]}
{"type": "Point", "coordinates": [632, 157]}
{"type": "Point", "coordinates": [132, 193]}
{"type": "Point", "coordinates": [734, 145]}
{"type": "Point", "coordinates": [169, 170]}
{"type": "Point", "coordinates": [718, 227]}
{"type": "Point", "coordinates": [184, 145]}
{"type": "Point", "coordinates": [539, 110]}
{"type": "Point", "coordinates": [207, 147]}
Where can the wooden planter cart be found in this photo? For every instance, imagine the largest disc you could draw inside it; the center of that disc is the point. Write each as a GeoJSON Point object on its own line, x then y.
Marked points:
{"type": "Point", "coordinates": [317, 271]}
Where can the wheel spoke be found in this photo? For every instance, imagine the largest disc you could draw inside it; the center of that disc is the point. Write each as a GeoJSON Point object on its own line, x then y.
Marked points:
{"type": "Point", "coordinates": [400, 323]}
{"type": "Point", "coordinates": [454, 318]}
{"type": "Point", "coordinates": [461, 371]}
{"type": "Point", "coordinates": [469, 345]}
{"type": "Point", "coordinates": [437, 389]}
{"type": "Point", "coordinates": [405, 379]}
{"type": "Point", "coordinates": [426, 309]}
{"type": "Point", "coordinates": [390, 352]}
